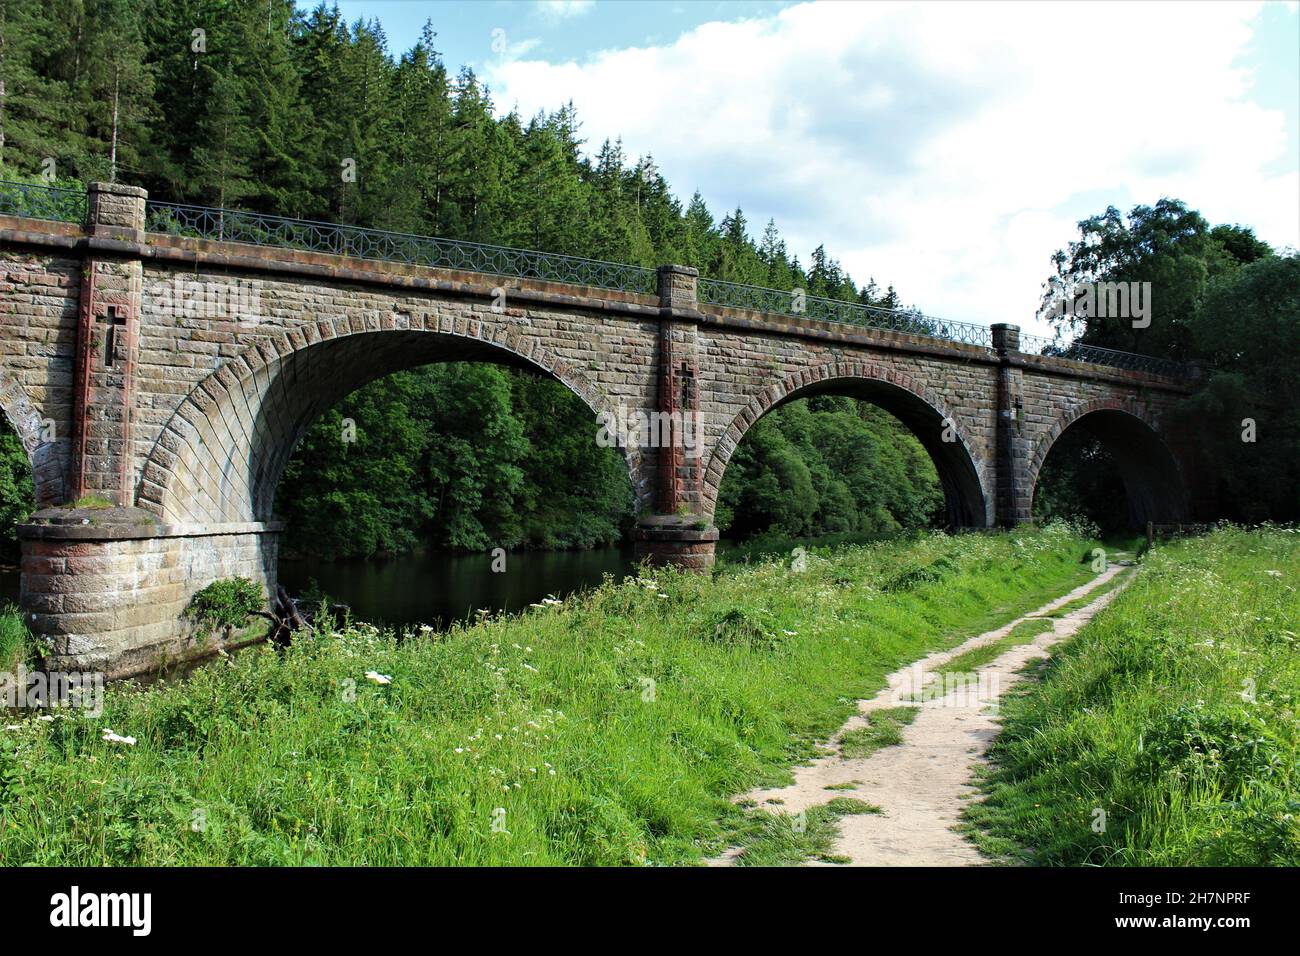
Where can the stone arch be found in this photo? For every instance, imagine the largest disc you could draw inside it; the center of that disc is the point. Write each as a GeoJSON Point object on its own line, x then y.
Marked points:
{"type": "Point", "coordinates": [220, 456]}
{"type": "Point", "coordinates": [1130, 431]}
{"type": "Point", "coordinates": [43, 456]}
{"type": "Point", "coordinates": [967, 480]}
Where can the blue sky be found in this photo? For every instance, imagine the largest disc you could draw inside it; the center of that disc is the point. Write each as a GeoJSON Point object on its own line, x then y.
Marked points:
{"type": "Point", "coordinates": [946, 148]}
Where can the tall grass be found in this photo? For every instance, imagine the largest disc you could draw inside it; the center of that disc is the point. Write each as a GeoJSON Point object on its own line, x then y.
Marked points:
{"type": "Point", "coordinates": [609, 729]}
{"type": "Point", "coordinates": [15, 640]}
{"type": "Point", "coordinates": [1165, 733]}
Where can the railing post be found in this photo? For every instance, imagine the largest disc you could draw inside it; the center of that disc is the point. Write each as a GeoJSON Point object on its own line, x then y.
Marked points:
{"type": "Point", "coordinates": [677, 532]}
{"type": "Point", "coordinates": [1014, 496]}
{"type": "Point", "coordinates": [107, 330]}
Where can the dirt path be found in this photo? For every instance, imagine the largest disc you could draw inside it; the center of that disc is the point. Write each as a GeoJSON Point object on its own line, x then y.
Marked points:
{"type": "Point", "coordinates": [922, 784]}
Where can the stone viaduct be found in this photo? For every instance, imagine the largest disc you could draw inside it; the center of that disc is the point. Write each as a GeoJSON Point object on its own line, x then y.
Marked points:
{"type": "Point", "coordinates": [149, 360]}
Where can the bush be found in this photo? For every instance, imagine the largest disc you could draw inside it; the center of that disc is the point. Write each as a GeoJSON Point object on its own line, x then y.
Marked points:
{"type": "Point", "coordinates": [225, 604]}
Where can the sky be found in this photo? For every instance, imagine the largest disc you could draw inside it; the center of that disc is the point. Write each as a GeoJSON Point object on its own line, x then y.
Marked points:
{"type": "Point", "coordinates": [946, 148]}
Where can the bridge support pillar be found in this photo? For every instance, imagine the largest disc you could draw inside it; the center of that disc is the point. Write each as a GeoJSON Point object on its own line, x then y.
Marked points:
{"type": "Point", "coordinates": [104, 364]}
{"type": "Point", "coordinates": [677, 532]}
{"type": "Point", "coordinates": [1014, 496]}
{"type": "Point", "coordinates": [106, 589]}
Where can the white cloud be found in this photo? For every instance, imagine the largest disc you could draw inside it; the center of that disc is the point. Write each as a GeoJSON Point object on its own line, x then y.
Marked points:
{"type": "Point", "coordinates": [563, 9]}
{"type": "Point", "coordinates": [947, 148]}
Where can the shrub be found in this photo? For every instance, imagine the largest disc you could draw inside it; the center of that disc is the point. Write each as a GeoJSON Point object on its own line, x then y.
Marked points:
{"type": "Point", "coordinates": [225, 604]}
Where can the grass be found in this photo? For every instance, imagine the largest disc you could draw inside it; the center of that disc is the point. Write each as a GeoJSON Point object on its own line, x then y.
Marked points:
{"type": "Point", "coordinates": [93, 501]}
{"type": "Point", "coordinates": [611, 728]}
{"type": "Point", "coordinates": [977, 657]}
{"type": "Point", "coordinates": [884, 729]}
{"type": "Point", "coordinates": [1164, 733]}
{"type": "Point", "coordinates": [789, 839]}
{"type": "Point", "coordinates": [15, 641]}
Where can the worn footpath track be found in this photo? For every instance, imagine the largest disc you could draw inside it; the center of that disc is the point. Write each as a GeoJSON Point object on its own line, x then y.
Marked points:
{"type": "Point", "coordinates": [922, 784]}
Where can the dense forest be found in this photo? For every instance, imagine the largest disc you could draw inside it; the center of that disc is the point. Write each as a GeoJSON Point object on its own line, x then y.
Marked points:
{"type": "Point", "coordinates": [262, 105]}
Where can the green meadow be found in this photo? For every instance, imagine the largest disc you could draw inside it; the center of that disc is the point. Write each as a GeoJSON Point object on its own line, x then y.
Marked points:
{"type": "Point", "coordinates": [612, 728]}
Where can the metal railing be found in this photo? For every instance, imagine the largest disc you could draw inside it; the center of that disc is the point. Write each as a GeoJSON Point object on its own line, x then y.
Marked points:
{"type": "Point", "coordinates": [233, 225]}
{"type": "Point", "coordinates": [229, 225]}
{"type": "Point", "coordinates": [32, 201]}
{"type": "Point", "coordinates": [774, 301]}
{"type": "Point", "coordinates": [1096, 355]}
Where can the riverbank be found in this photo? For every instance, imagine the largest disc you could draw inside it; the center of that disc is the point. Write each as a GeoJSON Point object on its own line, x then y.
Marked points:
{"type": "Point", "coordinates": [612, 728]}
{"type": "Point", "coordinates": [1165, 734]}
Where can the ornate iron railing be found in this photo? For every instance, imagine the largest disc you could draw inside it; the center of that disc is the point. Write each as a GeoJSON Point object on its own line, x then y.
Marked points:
{"type": "Point", "coordinates": [232, 225]}
{"type": "Point", "coordinates": [1096, 355]}
{"type": "Point", "coordinates": [33, 201]}
{"type": "Point", "coordinates": [758, 299]}
{"type": "Point", "coordinates": [229, 225]}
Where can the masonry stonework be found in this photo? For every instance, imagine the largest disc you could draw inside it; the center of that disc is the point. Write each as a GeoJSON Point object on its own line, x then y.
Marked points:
{"type": "Point", "coordinates": [174, 376]}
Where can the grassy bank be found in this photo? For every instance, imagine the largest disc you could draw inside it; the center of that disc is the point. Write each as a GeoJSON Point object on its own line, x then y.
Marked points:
{"type": "Point", "coordinates": [1173, 713]}
{"type": "Point", "coordinates": [609, 729]}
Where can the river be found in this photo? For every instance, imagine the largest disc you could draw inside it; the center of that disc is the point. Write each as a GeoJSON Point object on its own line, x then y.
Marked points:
{"type": "Point", "coordinates": [436, 587]}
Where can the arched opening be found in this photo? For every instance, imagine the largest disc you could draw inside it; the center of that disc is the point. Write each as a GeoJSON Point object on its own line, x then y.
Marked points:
{"type": "Point", "coordinates": [410, 444]}
{"type": "Point", "coordinates": [1110, 467]}
{"type": "Point", "coordinates": [849, 454]}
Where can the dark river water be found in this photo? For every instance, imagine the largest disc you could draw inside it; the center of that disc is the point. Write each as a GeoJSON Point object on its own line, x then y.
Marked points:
{"type": "Point", "coordinates": [436, 587]}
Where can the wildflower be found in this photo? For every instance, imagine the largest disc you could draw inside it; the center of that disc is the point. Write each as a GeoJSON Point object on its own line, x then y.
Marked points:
{"type": "Point", "coordinates": [377, 678]}
{"type": "Point", "coordinates": [425, 628]}
{"type": "Point", "coordinates": [113, 738]}
{"type": "Point", "coordinates": [790, 633]}
{"type": "Point", "coordinates": [530, 667]}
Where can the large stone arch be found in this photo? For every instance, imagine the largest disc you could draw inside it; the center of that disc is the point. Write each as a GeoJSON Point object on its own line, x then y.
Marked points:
{"type": "Point", "coordinates": [1130, 431]}
{"type": "Point", "coordinates": [967, 480]}
{"type": "Point", "coordinates": [220, 456]}
{"type": "Point", "coordinates": [41, 446]}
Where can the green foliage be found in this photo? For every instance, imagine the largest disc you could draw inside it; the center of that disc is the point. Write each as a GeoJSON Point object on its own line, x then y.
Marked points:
{"type": "Point", "coordinates": [828, 466]}
{"type": "Point", "coordinates": [17, 493]}
{"type": "Point", "coordinates": [225, 603]}
{"type": "Point", "coordinates": [1080, 479]}
{"type": "Point", "coordinates": [17, 646]}
{"type": "Point", "coordinates": [414, 772]}
{"type": "Point", "coordinates": [884, 729]}
{"type": "Point", "coordinates": [462, 456]}
{"type": "Point", "coordinates": [1173, 712]}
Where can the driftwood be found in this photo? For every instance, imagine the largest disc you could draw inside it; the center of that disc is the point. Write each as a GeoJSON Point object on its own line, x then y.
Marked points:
{"type": "Point", "coordinates": [287, 618]}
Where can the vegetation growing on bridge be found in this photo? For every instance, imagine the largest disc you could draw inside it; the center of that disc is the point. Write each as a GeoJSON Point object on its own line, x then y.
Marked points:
{"type": "Point", "coordinates": [608, 729]}
{"type": "Point", "coordinates": [1174, 713]}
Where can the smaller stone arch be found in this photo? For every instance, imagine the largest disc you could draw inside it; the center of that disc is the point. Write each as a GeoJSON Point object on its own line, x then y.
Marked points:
{"type": "Point", "coordinates": [42, 447]}
{"type": "Point", "coordinates": [1130, 431]}
{"type": "Point", "coordinates": [965, 477]}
